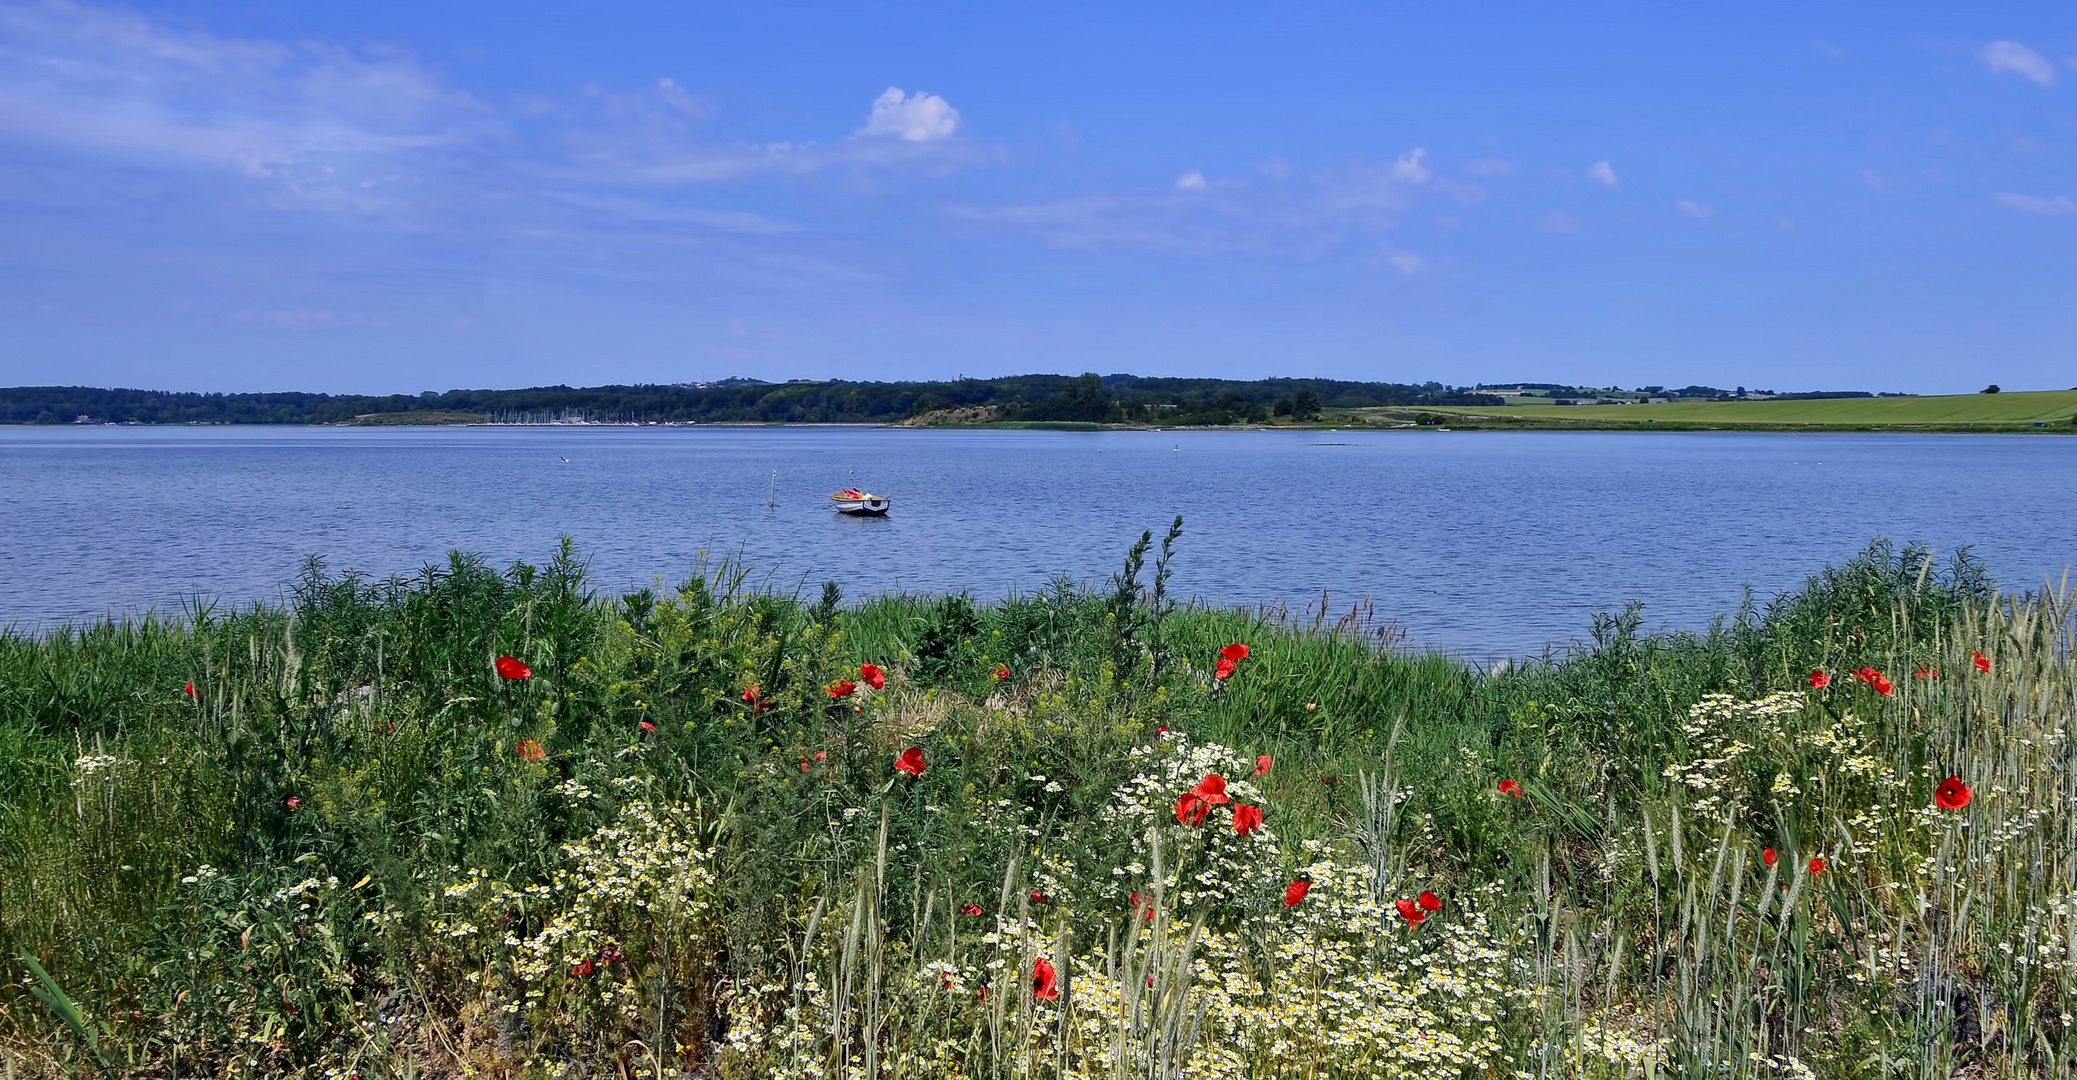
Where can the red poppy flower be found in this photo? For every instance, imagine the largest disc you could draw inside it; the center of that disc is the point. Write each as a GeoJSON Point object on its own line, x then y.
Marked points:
{"type": "Point", "coordinates": [1246, 819]}
{"type": "Point", "coordinates": [755, 698]}
{"type": "Point", "coordinates": [1981, 661]}
{"type": "Point", "coordinates": [804, 765]}
{"type": "Point", "coordinates": [1223, 668]}
{"type": "Point", "coordinates": [1952, 794]}
{"type": "Point", "coordinates": [1038, 897]}
{"type": "Point", "coordinates": [1161, 732]}
{"type": "Point", "coordinates": [293, 802]}
{"type": "Point", "coordinates": [1925, 672]}
{"type": "Point", "coordinates": [1212, 789]}
{"type": "Point", "coordinates": [970, 909]}
{"type": "Point", "coordinates": [911, 761]}
{"type": "Point", "coordinates": [1873, 678]}
{"type": "Point", "coordinates": [873, 675]}
{"type": "Point", "coordinates": [841, 688]}
{"type": "Point", "coordinates": [1430, 902]}
{"type": "Point", "coordinates": [1191, 809]}
{"type": "Point", "coordinates": [1002, 671]}
{"type": "Point", "coordinates": [1235, 651]}
{"type": "Point", "coordinates": [1817, 864]}
{"type": "Point", "coordinates": [1146, 912]}
{"type": "Point", "coordinates": [1044, 982]}
{"type": "Point", "coordinates": [582, 969]}
{"type": "Point", "coordinates": [1326, 779]}
{"type": "Point", "coordinates": [1511, 787]}
{"type": "Point", "coordinates": [647, 726]}
{"type": "Point", "coordinates": [1770, 856]}
{"type": "Point", "coordinates": [821, 754]}
{"type": "Point", "coordinates": [1261, 764]}
{"type": "Point", "coordinates": [511, 668]}
{"type": "Point", "coordinates": [529, 749]}
{"type": "Point", "coordinates": [1411, 912]}
{"type": "Point", "coordinates": [1296, 891]}
{"type": "Point", "coordinates": [191, 685]}
{"type": "Point", "coordinates": [1820, 679]}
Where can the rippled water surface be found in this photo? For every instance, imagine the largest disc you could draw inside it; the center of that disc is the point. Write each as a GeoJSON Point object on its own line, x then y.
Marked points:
{"type": "Point", "coordinates": [1481, 542]}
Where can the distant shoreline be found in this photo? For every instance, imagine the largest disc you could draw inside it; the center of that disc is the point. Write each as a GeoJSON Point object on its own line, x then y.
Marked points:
{"type": "Point", "coordinates": [1456, 425]}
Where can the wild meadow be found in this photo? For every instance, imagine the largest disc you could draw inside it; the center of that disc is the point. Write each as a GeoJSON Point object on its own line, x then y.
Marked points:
{"type": "Point", "coordinates": [485, 822]}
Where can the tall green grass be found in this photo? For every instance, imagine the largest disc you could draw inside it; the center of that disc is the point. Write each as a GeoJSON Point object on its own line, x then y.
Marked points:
{"type": "Point", "coordinates": [271, 875]}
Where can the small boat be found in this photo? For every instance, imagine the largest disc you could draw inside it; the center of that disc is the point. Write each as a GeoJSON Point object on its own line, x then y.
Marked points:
{"type": "Point", "coordinates": [861, 503]}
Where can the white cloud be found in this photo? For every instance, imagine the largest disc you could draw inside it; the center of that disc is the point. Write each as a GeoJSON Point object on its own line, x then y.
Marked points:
{"type": "Point", "coordinates": [1408, 167]}
{"type": "Point", "coordinates": [679, 98]}
{"type": "Point", "coordinates": [2059, 206]}
{"type": "Point", "coordinates": [1559, 221]}
{"type": "Point", "coordinates": [1694, 209]}
{"type": "Point", "coordinates": [1603, 172]}
{"type": "Point", "coordinates": [301, 318]}
{"type": "Point", "coordinates": [316, 124]}
{"type": "Point", "coordinates": [2011, 56]}
{"type": "Point", "coordinates": [917, 117]}
{"type": "Point", "coordinates": [1489, 167]}
{"type": "Point", "coordinates": [1305, 216]}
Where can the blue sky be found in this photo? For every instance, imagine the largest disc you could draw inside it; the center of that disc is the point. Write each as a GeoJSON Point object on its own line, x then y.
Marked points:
{"type": "Point", "coordinates": [384, 196]}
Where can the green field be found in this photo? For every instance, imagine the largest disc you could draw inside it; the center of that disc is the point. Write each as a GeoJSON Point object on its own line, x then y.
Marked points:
{"type": "Point", "coordinates": [2015, 409]}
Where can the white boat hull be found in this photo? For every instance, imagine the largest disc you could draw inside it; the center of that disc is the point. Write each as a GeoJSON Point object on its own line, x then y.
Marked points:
{"type": "Point", "coordinates": [867, 507]}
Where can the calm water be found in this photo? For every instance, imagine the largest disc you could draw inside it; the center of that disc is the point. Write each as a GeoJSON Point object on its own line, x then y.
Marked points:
{"type": "Point", "coordinates": [1485, 543]}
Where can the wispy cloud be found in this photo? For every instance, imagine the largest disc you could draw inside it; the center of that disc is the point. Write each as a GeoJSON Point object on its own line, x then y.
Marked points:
{"type": "Point", "coordinates": [1175, 221]}
{"type": "Point", "coordinates": [2057, 206]}
{"type": "Point", "coordinates": [301, 319]}
{"type": "Point", "coordinates": [1406, 262]}
{"type": "Point", "coordinates": [369, 130]}
{"type": "Point", "coordinates": [1694, 209]}
{"type": "Point", "coordinates": [1288, 215]}
{"type": "Point", "coordinates": [1368, 193]}
{"type": "Point", "coordinates": [2011, 57]}
{"type": "Point", "coordinates": [1604, 172]}
{"type": "Point", "coordinates": [1408, 168]}
{"type": "Point", "coordinates": [308, 124]}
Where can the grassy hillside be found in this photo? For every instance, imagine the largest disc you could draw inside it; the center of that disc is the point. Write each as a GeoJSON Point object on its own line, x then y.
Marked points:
{"type": "Point", "coordinates": [2018, 408]}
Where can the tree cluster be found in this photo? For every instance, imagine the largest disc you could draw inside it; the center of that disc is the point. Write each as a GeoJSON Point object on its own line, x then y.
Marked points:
{"type": "Point", "coordinates": [1087, 398]}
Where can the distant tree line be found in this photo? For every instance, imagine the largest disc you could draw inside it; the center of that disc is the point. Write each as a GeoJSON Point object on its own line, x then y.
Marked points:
{"type": "Point", "coordinates": [1086, 398]}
